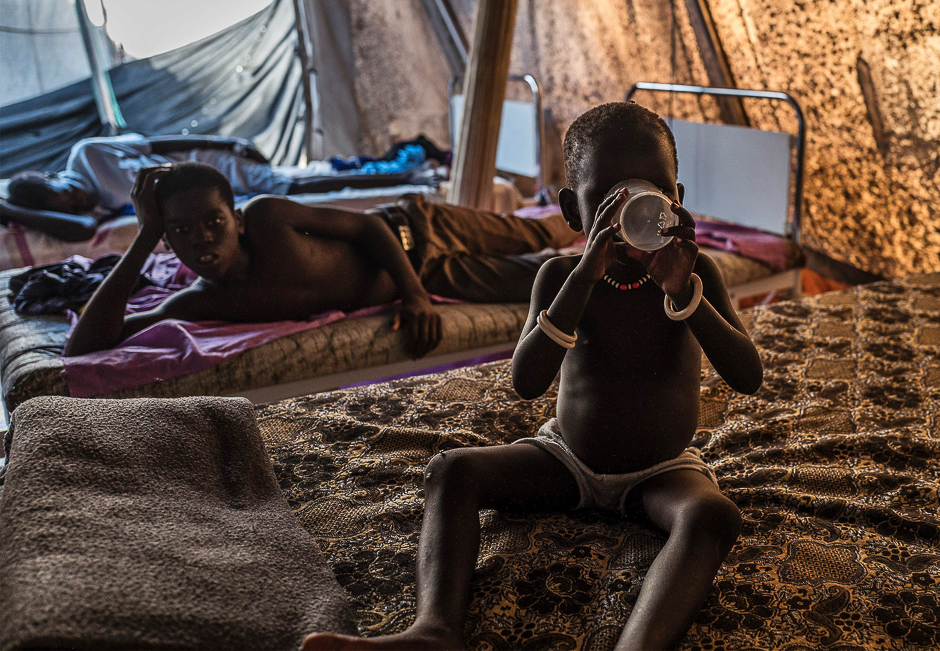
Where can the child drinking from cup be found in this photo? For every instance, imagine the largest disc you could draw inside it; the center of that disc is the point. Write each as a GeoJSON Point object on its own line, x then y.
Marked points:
{"type": "Point", "coordinates": [626, 327]}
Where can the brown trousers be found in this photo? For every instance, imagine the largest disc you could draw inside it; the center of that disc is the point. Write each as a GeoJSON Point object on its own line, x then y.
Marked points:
{"type": "Point", "coordinates": [477, 255]}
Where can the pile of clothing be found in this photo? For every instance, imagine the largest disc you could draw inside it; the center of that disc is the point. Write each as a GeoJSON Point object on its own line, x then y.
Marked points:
{"type": "Point", "coordinates": [62, 286]}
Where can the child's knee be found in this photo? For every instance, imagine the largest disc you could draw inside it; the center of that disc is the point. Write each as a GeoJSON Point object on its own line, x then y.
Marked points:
{"type": "Point", "coordinates": [714, 516]}
{"type": "Point", "coordinates": [450, 469]}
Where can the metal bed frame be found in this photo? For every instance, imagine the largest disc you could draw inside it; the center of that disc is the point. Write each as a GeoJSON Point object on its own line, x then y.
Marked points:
{"type": "Point", "coordinates": [791, 277]}
{"type": "Point", "coordinates": [758, 94]}
{"type": "Point", "coordinates": [534, 87]}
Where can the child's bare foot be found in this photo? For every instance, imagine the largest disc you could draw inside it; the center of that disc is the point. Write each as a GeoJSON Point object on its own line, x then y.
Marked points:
{"type": "Point", "coordinates": [414, 639]}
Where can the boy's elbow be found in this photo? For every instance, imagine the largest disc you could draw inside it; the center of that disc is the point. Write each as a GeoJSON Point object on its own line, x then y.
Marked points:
{"type": "Point", "coordinates": [82, 342]}
{"type": "Point", "coordinates": [751, 382]}
{"type": "Point", "coordinates": [526, 390]}
{"type": "Point", "coordinates": [72, 349]}
{"type": "Point", "coordinates": [75, 347]}
{"type": "Point", "coordinates": [525, 386]}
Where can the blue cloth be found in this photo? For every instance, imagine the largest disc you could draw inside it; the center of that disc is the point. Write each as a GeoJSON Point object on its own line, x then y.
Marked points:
{"type": "Point", "coordinates": [407, 158]}
{"type": "Point", "coordinates": [352, 163]}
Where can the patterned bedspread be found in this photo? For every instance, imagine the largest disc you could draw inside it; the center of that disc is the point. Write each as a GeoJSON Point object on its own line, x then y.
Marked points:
{"type": "Point", "coordinates": [834, 463]}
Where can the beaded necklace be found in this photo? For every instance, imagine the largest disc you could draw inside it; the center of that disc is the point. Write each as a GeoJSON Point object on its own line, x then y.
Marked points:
{"type": "Point", "coordinates": [625, 286]}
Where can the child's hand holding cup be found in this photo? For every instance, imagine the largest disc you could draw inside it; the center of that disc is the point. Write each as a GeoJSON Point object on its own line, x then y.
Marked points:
{"type": "Point", "coordinates": [646, 212]}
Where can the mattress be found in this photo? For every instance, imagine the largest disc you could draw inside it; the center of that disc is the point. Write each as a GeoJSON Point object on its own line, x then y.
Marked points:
{"type": "Point", "coordinates": [31, 348]}
{"type": "Point", "coordinates": [834, 464]}
{"type": "Point", "coordinates": [335, 355]}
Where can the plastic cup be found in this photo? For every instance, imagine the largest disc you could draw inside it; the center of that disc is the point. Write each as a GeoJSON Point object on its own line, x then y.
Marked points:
{"type": "Point", "coordinates": [646, 212]}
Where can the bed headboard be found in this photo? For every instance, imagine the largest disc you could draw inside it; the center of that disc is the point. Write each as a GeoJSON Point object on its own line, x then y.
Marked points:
{"type": "Point", "coordinates": [735, 173]}
{"type": "Point", "coordinates": [519, 148]}
{"type": "Point", "coordinates": [739, 174]}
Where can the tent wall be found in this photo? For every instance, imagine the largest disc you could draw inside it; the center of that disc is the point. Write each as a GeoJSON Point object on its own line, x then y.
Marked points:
{"type": "Point", "coordinates": [244, 81]}
{"type": "Point", "coordinates": [401, 80]}
{"type": "Point", "coordinates": [582, 52]}
{"type": "Point", "coordinates": [335, 63]}
{"type": "Point", "coordinates": [866, 74]}
{"type": "Point", "coordinates": [40, 47]}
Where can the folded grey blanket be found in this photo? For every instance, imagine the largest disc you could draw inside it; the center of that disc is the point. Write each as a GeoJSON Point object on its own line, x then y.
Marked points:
{"type": "Point", "coordinates": [153, 524]}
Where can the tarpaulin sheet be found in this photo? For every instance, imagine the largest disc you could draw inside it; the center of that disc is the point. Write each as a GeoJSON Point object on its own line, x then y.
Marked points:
{"type": "Point", "coordinates": [244, 81]}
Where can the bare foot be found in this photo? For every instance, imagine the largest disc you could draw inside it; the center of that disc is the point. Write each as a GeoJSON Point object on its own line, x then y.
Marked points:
{"type": "Point", "coordinates": [411, 640]}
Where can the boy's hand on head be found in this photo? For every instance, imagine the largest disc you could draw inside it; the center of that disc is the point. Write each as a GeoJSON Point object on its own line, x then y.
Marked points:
{"type": "Point", "coordinates": [145, 204]}
{"type": "Point", "coordinates": [601, 249]}
{"type": "Point", "coordinates": [422, 324]}
{"type": "Point", "coordinates": [671, 266]}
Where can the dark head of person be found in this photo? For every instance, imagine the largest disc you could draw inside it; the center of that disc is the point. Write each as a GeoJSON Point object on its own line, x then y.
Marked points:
{"type": "Point", "coordinates": [611, 143]}
{"type": "Point", "coordinates": [202, 226]}
{"type": "Point", "coordinates": [54, 192]}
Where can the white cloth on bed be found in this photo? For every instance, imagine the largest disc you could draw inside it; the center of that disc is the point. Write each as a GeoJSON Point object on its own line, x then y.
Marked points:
{"type": "Point", "coordinates": [111, 164]}
{"type": "Point", "coordinates": [609, 491]}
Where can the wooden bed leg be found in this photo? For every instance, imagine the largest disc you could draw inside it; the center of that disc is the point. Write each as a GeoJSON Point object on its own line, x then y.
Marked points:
{"type": "Point", "coordinates": [798, 285]}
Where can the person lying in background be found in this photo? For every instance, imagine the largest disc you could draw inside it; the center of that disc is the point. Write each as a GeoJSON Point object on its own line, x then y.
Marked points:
{"type": "Point", "coordinates": [99, 176]}
{"type": "Point", "coordinates": [279, 260]}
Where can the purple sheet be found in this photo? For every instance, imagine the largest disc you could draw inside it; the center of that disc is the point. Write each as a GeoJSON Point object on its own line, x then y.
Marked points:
{"type": "Point", "coordinates": [174, 348]}
{"type": "Point", "coordinates": [772, 250]}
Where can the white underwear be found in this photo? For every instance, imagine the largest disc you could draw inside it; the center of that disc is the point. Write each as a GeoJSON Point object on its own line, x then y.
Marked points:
{"type": "Point", "coordinates": [609, 491]}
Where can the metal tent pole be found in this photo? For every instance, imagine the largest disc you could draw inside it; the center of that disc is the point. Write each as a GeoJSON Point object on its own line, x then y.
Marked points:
{"type": "Point", "coordinates": [313, 146]}
{"type": "Point", "coordinates": [449, 34]}
{"type": "Point", "coordinates": [108, 112]}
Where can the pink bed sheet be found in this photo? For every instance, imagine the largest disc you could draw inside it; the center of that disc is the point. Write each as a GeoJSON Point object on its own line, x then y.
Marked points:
{"type": "Point", "coordinates": [772, 250]}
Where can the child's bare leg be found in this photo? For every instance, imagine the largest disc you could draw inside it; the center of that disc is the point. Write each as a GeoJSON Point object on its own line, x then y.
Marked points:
{"type": "Point", "coordinates": [702, 525]}
{"type": "Point", "coordinates": [458, 484]}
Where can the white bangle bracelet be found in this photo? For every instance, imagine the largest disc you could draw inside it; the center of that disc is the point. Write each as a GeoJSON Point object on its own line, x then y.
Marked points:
{"type": "Point", "coordinates": [561, 338]}
{"type": "Point", "coordinates": [691, 307]}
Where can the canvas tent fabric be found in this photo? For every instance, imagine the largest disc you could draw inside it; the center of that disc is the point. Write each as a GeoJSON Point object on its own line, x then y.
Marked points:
{"type": "Point", "coordinates": [243, 81]}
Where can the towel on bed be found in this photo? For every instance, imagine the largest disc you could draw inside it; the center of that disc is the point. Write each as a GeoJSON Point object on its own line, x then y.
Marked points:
{"type": "Point", "coordinates": [152, 524]}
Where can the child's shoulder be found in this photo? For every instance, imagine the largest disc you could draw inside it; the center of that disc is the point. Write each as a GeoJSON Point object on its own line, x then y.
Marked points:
{"type": "Point", "coordinates": [266, 214]}
{"type": "Point", "coordinates": [552, 275]}
{"type": "Point", "coordinates": [264, 205]}
{"type": "Point", "coordinates": [557, 269]}
{"type": "Point", "coordinates": [706, 268]}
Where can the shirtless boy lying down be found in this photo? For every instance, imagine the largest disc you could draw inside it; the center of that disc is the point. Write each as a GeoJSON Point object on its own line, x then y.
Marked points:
{"type": "Point", "coordinates": [277, 259]}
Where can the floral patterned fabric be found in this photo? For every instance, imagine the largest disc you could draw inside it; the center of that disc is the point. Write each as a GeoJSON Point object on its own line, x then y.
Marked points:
{"type": "Point", "coordinates": [834, 463]}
